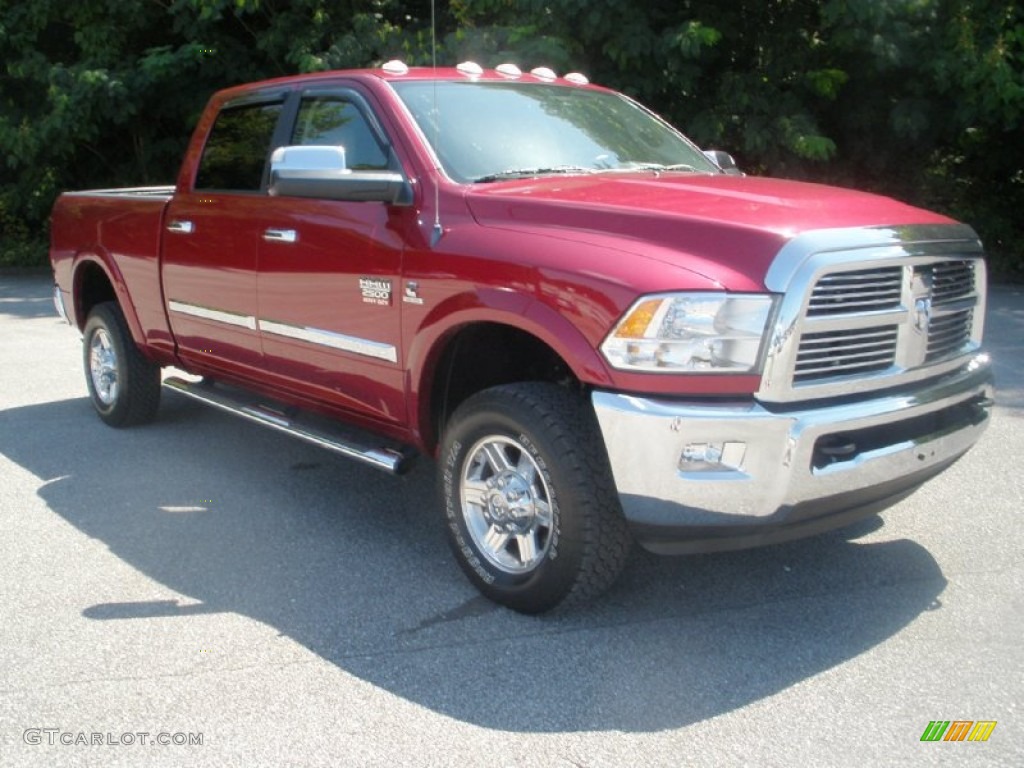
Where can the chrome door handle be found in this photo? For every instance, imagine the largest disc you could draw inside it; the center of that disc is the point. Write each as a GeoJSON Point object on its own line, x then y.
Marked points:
{"type": "Point", "coordinates": [281, 235]}
{"type": "Point", "coordinates": [181, 227]}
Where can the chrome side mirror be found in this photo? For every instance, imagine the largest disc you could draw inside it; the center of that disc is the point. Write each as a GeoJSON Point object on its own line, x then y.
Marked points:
{"type": "Point", "coordinates": [321, 172]}
{"type": "Point", "coordinates": [724, 160]}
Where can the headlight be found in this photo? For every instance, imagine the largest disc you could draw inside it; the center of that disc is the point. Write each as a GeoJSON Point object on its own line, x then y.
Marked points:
{"type": "Point", "coordinates": [691, 333]}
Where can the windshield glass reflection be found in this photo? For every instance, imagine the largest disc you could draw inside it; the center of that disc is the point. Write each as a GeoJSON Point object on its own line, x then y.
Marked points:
{"type": "Point", "coordinates": [490, 131]}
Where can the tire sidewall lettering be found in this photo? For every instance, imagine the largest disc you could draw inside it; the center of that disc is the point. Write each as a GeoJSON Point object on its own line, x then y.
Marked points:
{"type": "Point", "coordinates": [538, 457]}
{"type": "Point", "coordinates": [453, 513]}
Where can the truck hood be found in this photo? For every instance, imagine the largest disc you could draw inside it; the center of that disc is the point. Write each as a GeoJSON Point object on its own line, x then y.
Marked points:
{"type": "Point", "coordinates": [727, 228]}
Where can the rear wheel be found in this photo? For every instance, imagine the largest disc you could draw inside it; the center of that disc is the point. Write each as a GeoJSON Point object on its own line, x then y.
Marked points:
{"type": "Point", "coordinates": [531, 509]}
{"type": "Point", "coordinates": [124, 385]}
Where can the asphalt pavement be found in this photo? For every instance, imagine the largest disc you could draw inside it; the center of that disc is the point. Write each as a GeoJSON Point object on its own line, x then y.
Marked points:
{"type": "Point", "coordinates": [202, 591]}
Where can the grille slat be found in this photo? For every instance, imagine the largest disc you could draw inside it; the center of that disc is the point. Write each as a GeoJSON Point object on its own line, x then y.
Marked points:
{"type": "Point", "coordinates": [811, 352]}
{"type": "Point", "coordinates": [945, 337]}
{"type": "Point", "coordinates": [850, 296]}
{"type": "Point", "coordinates": [857, 291]}
{"type": "Point", "coordinates": [854, 336]}
{"type": "Point", "coordinates": [837, 356]}
{"type": "Point", "coordinates": [844, 369]}
{"type": "Point", "coordinates": [842, 353]}
{"type": "Point", "coordinates": [948, 334]}
{"type": "Point", "coordinates": [952, 280]}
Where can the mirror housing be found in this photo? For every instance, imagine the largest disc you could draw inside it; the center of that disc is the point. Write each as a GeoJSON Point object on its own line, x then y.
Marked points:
{"type": "Point", "coordinates": [321, 172]}
{"type": "Point", "coordinates": [724, 160]}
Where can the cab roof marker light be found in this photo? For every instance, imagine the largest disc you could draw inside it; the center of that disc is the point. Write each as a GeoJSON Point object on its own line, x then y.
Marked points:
{"type": "Point", "coordinates": [470, 68]}
{"type": "Point", "coordinates": [544, 73]}
{"type": "Point", "coordinates": [395, 67]}
{"type": "Point", "coordinates": [508, 70]}
{"type": "Point", "coordinates": [577, 79]}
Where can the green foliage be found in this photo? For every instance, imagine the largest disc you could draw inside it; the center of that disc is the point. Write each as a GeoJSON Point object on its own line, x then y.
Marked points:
{"type": "Point", "coordinates": [936, 97]}
{"type": "Point", "coordinates": [921, 99]}
{"type": "Point", "coordinates": [100, 93]}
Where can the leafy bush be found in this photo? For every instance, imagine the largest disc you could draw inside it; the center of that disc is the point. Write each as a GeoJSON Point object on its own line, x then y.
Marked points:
{"type": "Point", "coordinates": [919, 100]}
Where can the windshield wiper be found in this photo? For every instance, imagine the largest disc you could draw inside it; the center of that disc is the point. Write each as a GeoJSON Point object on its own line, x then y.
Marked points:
{"type": "Point", "coordinates": [656, 167]}
{"type": "Point", "coordinates": [526, 173]}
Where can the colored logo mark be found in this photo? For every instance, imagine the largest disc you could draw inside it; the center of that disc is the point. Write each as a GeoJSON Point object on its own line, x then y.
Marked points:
{"type": "Point", "coordinates": [958, 730]}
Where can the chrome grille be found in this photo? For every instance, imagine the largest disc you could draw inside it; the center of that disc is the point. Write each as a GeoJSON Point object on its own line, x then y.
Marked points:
{"type": "Point", "coordinates": [860, 291]}
{"type": "Point", "coordinates": [952, 280]}
{"type": "Point", "coordinates": [873, 308]}
{"type": "Point", "coordinates": [947, 334]}
{"type": "Point", "coordinates": [845, 353]}
{"type": "Point", "coordinates": [950, 323]}
{"type": "Point", "coordinates": [930, 296]}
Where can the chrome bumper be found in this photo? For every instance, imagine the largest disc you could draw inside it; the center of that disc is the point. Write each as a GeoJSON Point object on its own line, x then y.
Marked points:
{"type": "Point", "coordinates": [773, 475]}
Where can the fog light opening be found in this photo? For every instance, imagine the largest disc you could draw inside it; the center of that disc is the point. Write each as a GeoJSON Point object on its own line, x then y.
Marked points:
{"type": "Point", "coordinates": [712, 457]}
{"type": "Point", "coordinates": [833, 449]}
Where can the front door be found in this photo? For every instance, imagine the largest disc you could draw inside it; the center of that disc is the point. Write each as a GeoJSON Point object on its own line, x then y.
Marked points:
{"type": "Point", "coordinates": [328, 284]}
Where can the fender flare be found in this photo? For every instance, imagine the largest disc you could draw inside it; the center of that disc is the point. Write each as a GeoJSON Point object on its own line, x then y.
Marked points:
{"type": "Point", "coordinates": [99, 258]}
{"type": "Point", "coordinates": [494, 307]}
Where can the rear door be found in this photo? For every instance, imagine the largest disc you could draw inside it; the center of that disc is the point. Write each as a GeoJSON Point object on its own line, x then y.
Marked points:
{"type": "Point", "coordinates": [212, 240]}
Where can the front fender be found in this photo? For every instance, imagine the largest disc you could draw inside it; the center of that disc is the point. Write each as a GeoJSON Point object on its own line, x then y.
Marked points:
{"type": "Point", "coordinates": [514, 309]}
{"type": "Point", "coordinates": [495, 306]}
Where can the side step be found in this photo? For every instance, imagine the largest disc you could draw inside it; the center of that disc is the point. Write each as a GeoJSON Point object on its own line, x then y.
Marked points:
{"type": "Point", "coordinates": [310, 427]}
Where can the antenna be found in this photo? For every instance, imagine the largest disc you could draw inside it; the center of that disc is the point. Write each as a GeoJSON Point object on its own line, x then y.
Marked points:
{"type": "Point", "coordinates": [438, 232]}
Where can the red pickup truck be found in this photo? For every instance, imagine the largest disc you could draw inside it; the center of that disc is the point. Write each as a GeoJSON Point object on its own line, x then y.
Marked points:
{"type": "Point", "coordinates": [599, 332]}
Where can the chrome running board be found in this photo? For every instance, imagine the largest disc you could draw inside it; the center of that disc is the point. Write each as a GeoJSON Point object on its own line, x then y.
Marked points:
{"type": "Point", "coordinates": [342, 439]}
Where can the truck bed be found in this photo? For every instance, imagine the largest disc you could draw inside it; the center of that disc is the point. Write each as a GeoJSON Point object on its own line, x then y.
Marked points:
{"type": "Point", "coordinates": [161, 192]}
{"type": "Point", "coordinates": [123, 229]}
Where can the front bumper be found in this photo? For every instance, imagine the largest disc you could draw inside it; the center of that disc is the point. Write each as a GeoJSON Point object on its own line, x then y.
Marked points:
{"type": "Point", "coordinates": [787, 472]}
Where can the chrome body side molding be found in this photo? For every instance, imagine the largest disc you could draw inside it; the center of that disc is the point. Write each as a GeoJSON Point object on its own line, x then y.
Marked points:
{"type": "Point", "coordinates": [331, 339]}
{"type": "Point", "coordinates": [209, 313]}
{"type": "Point", "coordinates": [319, 336]}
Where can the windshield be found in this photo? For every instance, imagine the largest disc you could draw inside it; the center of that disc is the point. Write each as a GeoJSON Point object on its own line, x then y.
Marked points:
{"type": "Point", "coordinates": [492, 131]}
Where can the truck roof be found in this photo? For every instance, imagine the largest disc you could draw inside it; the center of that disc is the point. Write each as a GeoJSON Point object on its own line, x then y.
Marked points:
{"type": "Point", "coordinates": [395, 71]}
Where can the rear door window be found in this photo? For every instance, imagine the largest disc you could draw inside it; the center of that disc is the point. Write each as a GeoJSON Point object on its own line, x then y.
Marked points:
{"type": "Point", "coordinates": [236, 152]}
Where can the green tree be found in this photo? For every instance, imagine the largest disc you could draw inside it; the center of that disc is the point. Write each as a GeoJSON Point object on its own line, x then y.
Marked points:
{"type": "Point", "coordinates": [106, 93]}
{"type": "Point", "coordinates": [919, 99]}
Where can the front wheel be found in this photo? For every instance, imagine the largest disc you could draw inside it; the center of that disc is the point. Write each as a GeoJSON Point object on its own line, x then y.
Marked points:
{"type": "Point", "coordinates": [531, 509]}
{"type": "Point", "coordinates": [124, 385]}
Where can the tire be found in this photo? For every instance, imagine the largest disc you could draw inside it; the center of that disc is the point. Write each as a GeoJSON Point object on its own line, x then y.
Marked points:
{"type": "Point", "coordinates": [124, 386]}
{"type": "Point", "coordinates": [530, 505]}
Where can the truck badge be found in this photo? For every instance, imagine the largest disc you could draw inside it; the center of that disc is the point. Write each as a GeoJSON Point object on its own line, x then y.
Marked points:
{"type": "Point", "coordinates": [922, 315]}
{"type": "Point", "coordinates": [375, 291]}
{"type": "Point", "coordinates": [921, 286]}
{"type": "Point", "coordinates": [412, 293]}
